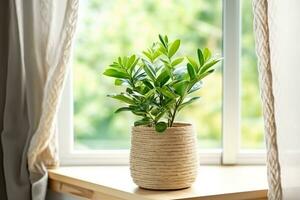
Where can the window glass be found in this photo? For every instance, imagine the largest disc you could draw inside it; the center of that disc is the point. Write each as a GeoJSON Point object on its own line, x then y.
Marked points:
{"type": "Point", "coordinates": [252, 120]}
{"type": "Point", "coordinates": [107, 29]}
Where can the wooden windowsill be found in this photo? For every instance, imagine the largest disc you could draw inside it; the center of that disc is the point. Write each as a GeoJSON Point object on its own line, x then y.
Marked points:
{"type": "Point", "coordinates": [114, 183]}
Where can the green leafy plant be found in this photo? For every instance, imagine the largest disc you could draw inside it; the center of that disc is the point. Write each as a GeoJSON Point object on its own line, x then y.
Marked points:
{"type": "Point", "coordinates": [158, 84]}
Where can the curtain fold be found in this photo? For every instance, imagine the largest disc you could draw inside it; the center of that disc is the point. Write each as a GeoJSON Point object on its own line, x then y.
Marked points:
{"type": "Point", "coordinates": [15, 136]}
{"type": "Point", "coordinates": [40, 38]}
{"type": "Point", "coordinates": [4, 22]}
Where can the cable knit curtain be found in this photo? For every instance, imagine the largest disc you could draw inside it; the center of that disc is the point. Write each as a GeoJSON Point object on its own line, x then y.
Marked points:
{"type": "Point", "coordinates": [277, 31]}
{"type": "Point", "coordinates": [40, 38]}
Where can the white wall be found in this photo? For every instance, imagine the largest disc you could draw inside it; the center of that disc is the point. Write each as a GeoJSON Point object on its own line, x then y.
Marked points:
{"type": "Point", "coordinates": [284, 21]}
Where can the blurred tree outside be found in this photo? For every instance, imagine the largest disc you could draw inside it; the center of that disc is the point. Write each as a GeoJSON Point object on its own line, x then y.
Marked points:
{"type": "Point", "coordinates": [108, 29]}
{"type": "Point", "coordinates": [251, 117]}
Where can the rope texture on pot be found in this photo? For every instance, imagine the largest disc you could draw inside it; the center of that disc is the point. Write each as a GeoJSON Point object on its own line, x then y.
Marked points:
{"type": "Point", "coordinates": [164, 161]}
{"type": "Point", "coordinates": [262, 40]}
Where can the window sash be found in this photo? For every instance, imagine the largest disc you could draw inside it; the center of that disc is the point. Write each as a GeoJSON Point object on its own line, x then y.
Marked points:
{"type": "Point", "coordinates": [230, 152]}
{"type": "Point", "coordinates": [231, 81]}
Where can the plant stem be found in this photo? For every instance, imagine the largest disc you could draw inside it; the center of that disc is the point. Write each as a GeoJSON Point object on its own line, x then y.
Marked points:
{"type": "Point", "coordinates": [175, 110]}
{"type": "Point", "coordinates": [178, 103]}
{"type": "Point", "coordinates": [173, 116]}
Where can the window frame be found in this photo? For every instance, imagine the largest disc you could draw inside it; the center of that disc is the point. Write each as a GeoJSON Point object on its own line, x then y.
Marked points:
{"type": "Point", "coordinates": [230, 152]}
{"type": "Point", "coordinates": [231, 80]}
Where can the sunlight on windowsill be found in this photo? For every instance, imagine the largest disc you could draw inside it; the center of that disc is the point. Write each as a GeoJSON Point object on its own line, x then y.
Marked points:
{"type": "Point", "coordinates": [115, 183]}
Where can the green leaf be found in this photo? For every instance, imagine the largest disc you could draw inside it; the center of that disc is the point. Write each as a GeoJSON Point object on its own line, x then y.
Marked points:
{"type": "Point", "coordinates": [144, 121]}
{"type": "Point", "coordinates": [139, 76]}
{"type": "Point", "coordinates": [163, 50]}
{"type": "Point", "coordinates": [138, 70]}
{"type": "Point", "coordinates": [173, 48]}
{"type": "Point", "coordinates": [116, 74]}
{"type": "Point", "coordinates": [166, 39]}
{"type": "Point", "coordinates": [129, 90]}
{"type": "Point", "coordinates": [148, 84]}
{"type": "Point", "coordinates": [181, 87]}
{"type": "Point", "coordinates": [181, 73]}
{"type": "Point", "coordinates": [191, 71]}
{"type": "Point", "coordinates": [123, 109]}
{"type": "Point", "coordinates": [191, 100]}
{"type": "Point", "coordinates": [206, 54]}
{"type": "Point", "coordinates": [133, 64]}
{"type": "Point", "coordinates": [125, 59]}
{"type": "Point", "coordinates": [144, 90]}
{"type": "Point", "coordinates": [177, 61]}
{"type": "Point", "coordinates": [167, 92]}
{"type": "Point", "coordinates": [201, 76]}
{"type": "Point", "coordinates": [151, 67]}
{"type": "Point", "coordinates": [148, 55]}
{"type": "Point", "coordinates": [148, 69]}
{"type": "Point", "coordinates": [120, 61]}
{"type": "Point", "coordinates": [209, 64]}
{"type": "Point", "coordinates": [196, 87]}
{"type": "Point", "coordinates": [150, 94]}
{"type": "Point", "coordinates": [160, 115]}
{"type": "Point", "coordinates": [163, 78]}
{"type": "Point", "coordinates": [122, 97]}
{"type": "Point", "coordinates": [161, 127]}
{"type": "Point", "coordinates": [139, 113]}
{"type": "Point", "coordinates": [115, 65]}
{"type": "Point", "coordinates": [155, 111]}
{"type": "Point", "coordinates": [156, 55]}
{"type": "Point", "coordinates": [168, 103]}
{"type": "Point", "coordinates": [164, 61]}
{"type": "Point", "coordinates": [119, 82]}
{"type": "Point", "coordinates": [130, 61]}
{"type": "Point", "coordinates": [162, 40]}
{"type": "Point", "coordinates": [200, 57]}
{"type": "Point", "coordinates": [193, 62]}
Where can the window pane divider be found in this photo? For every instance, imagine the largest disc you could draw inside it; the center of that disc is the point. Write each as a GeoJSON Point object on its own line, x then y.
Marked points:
{"type": "Point", "coordinates": [231, 81]}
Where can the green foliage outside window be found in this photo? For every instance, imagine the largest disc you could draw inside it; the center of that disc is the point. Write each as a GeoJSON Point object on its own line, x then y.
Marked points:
{"type": "Point", "coordinates": [107, 29]}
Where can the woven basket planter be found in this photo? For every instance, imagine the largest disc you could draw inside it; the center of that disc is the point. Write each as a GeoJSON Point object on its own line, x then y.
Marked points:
{"type": "Point", "coordinates": [164, 161]}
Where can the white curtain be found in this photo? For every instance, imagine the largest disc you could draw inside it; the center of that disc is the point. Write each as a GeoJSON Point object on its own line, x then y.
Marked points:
{"type": "Point", "coordinates": [277, 29]}
{"type": "Point", "coordinates": [40, 38]}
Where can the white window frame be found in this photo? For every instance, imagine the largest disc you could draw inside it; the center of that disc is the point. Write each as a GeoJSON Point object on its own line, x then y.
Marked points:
{"type": "Point", "coordinates": [229, 154]}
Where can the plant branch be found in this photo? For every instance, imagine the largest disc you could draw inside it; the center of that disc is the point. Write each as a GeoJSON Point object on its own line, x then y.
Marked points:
{"type": "Point", "coordinates": [178, 103]}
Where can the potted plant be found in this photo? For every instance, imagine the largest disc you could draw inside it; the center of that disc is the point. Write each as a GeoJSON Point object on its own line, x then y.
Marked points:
{"type": "Point", "coordinates": [157, 85]}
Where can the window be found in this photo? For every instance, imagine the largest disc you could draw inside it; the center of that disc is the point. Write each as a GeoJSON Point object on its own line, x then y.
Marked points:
{"type": "Point", "coordinates": [251, 112]}
{"type": "Point", "coordinates": [107, 29]}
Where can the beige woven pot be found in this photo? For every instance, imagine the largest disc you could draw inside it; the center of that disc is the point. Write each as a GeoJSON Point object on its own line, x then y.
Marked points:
{"type": "Point", "coordinates": [164, 161]}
